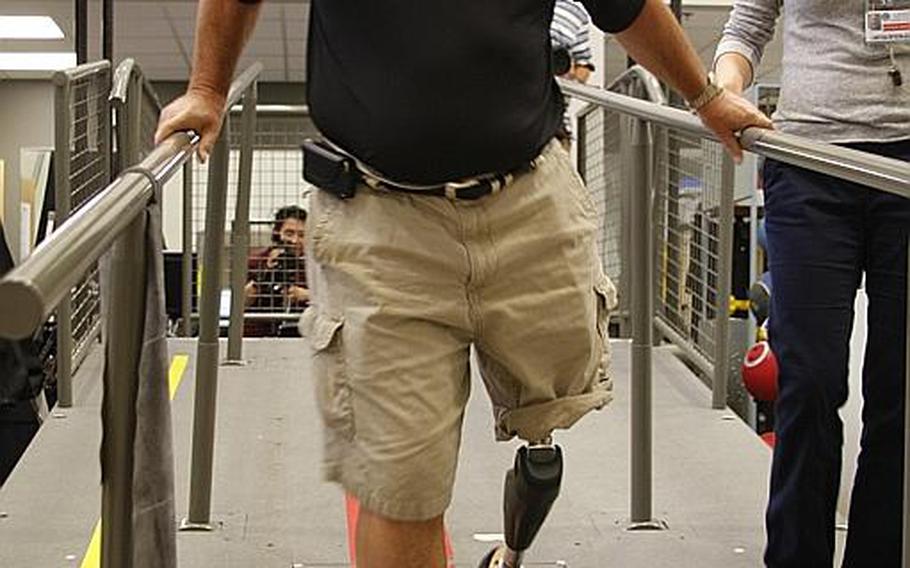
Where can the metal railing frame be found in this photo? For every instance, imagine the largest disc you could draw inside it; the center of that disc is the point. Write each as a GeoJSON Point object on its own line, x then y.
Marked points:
{"type": "Point", "coordinates": [243, 89]}
{"type": "Point", "coordinates": [186, 275]}
{"type": "Point", "coordinates": [885, 174]}
{"type": "Point", "coordinates": [129, 82]}
{"type": "Point", "coordinates": [66, 361]}
{"type": "Point", "coordinates": [112, 221]}
{"type": "Point", "coordinates": [240, 228]}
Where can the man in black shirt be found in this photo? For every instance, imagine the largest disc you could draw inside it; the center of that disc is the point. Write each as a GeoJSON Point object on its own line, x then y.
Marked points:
{"type": "Point", "coordinates": [458, 100]}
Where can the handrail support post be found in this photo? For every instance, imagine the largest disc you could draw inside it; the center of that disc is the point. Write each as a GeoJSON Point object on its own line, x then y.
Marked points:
{"type": "Point", "coordinates": [240, 230]}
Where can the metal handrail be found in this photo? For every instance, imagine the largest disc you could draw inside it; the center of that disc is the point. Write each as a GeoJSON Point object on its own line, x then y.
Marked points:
{"type": "Point", "coordinates": [240, 85]}
{"type": "Point", "coordinates": [31, 291]}
{"type": "Point", "coordinates": [284, 110]}
{"type": "Point", "coordinates": [128, 69]}
{"type": "Point", "coordinates": [885, 174]}
{"type": "Point", "coordinates": [60, 77]}
{"type": "Point", "coordinates": [639, 76]}
{"type": "Point", "coordinates": [113, 221]}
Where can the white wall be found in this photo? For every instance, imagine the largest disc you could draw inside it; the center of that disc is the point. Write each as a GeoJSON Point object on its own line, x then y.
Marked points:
{"type": "Point", "coordinates": [27, 119]}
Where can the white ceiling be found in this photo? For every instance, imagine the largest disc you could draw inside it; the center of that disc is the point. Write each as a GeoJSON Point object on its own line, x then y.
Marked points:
{"type": "Point", "coordinates": [160, 35]}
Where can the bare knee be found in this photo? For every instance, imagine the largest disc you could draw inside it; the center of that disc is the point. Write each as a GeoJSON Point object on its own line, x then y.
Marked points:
{"type": "Point", "coordinates": [388, 543]}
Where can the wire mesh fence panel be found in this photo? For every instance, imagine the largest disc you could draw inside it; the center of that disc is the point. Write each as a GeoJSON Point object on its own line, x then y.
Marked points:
{"type": "Point", "coordinates": [687, 212]}
{"type": "Point", "coordinates": [86, 149]}
{"type": "Point", "coordinates": [88, 105]}
{"type": "Point", "coordinates": [277, 176]}
{"type": "Point", "coordinates": [600, 165]}
{"type": "Point", "coordinates": [86, 312]}
{"type": "Point", "coordinates": [277, 169]}
{"type": "Point", "coordinates": [148, 121]}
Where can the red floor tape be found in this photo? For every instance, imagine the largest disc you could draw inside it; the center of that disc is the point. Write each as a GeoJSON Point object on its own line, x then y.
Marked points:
{"type": "Point", "coordinates": [353, 512]}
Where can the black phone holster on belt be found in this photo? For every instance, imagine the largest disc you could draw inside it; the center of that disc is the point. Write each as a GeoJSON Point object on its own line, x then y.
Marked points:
{"type": "Point", "coordinates": [329, 170]}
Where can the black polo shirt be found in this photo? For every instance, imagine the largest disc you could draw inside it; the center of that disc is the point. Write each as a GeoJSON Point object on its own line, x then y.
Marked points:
{"type": "Point", "coordinates": [428, 91]}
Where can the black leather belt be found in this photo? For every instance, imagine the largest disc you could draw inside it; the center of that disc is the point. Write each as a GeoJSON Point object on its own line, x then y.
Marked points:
{"type": "Point", "coordinates": [468, 190]}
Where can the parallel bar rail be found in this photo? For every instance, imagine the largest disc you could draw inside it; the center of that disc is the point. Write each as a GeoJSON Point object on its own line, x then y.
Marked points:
{"type": "Point", "coordinates": [114, 217]}
{"type": "Point", "coordinates": [884, 174]}
{"type": "Point", "coordinates": [31, 291]}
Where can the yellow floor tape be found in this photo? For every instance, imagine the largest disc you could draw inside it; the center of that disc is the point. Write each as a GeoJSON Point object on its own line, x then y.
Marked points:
{"type": "Point", "coordinates": [175, 373]}
{"type": "Point", "coordinates": [92, 558]}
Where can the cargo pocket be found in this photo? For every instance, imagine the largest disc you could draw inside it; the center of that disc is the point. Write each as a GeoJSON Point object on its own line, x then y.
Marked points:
{"type": "Point", "coordinates": [324, 209]}
{"type": "Point", "coordinates": [606, 303]}
{"type": "Point", "coordinates": [333, 391]}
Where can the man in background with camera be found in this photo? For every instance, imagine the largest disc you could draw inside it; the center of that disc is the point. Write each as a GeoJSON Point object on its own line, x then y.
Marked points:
{"type": "Point", "coordinates": [276, 279]}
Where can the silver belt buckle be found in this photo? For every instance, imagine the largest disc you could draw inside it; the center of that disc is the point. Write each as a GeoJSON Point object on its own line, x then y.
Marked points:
{"type": "Point", "coordinates": [452, 187]}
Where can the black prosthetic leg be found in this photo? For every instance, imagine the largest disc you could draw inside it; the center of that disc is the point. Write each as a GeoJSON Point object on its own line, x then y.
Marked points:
{"type": "Point", "coordinates": [531, 487]}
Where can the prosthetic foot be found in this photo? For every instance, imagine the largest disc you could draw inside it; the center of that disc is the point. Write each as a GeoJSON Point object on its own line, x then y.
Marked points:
{"type": "Point", "coordinates": [531, 487]}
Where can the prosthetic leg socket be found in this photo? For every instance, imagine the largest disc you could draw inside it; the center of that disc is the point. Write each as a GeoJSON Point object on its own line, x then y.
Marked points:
{"type": "Point", "coordinates": [531, 488]}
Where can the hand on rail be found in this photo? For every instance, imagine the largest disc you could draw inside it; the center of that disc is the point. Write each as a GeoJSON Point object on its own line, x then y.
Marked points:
{"type": "Point", "coordinates": [728, 115]}
{"type": "Point", "coordinates": [198, 110]}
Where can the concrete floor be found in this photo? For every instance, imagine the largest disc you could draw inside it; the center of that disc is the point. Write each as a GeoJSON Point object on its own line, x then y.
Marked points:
{"type": "Point", "coordinates": [270, 507]}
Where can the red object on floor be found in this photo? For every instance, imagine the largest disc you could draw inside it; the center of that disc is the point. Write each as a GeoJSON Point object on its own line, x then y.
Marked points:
{"type": "Point", "coordinates": [353, 511]}
{"type": "Point", "coordinates": [769, 438]}
{"type": "Point", "coordinates": [352, 507]}
{"type": "Point", "coordinates": [760, 372]}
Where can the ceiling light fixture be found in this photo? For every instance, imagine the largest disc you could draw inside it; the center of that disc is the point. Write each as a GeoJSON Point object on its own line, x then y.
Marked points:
{"type": "Point", "coordinates": [36, 61]}
{"type": "Point", "coordinates": [29, 27]}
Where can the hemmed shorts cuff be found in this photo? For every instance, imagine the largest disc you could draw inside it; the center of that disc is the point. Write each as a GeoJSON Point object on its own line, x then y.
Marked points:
{"type": "Point", "coordinates": [536, 422]}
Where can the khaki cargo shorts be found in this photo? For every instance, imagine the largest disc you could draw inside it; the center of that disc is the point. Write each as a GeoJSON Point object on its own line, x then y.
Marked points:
{"type": "Point", "coordinates": [403, 285]}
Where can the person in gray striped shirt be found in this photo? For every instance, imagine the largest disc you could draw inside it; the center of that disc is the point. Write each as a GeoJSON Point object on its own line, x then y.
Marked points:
{"type": "Point", "coordinates": [572, 56]}
{"type": "Point", "coordinates": [824, 235]}
{"type": "Point", "coordinates": [569, 37]}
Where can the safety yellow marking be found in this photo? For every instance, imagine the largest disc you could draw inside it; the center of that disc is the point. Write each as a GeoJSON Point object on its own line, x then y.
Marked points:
{"type": "Point", "coordinates": [175, 374]}
{"type": "Point", "coordinates": [737, 305]}
{"type": "Point", "coordinates": [92, 558]}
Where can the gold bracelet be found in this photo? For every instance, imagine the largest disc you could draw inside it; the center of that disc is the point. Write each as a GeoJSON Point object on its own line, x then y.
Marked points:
{"type": "Point", "coordinates": [711, 91]}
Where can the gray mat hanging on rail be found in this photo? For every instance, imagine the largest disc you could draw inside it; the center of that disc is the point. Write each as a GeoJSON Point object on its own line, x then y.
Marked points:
{"type": "Point", "coordinates": [154, 524]}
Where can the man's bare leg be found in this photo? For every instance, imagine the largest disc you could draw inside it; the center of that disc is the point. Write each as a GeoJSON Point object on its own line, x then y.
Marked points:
{"type": "Point", "coordinates": [384, 543]}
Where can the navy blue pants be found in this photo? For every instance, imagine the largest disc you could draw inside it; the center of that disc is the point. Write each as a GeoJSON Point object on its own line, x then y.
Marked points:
{"type": "Point", "coordinates": [823, 235]}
